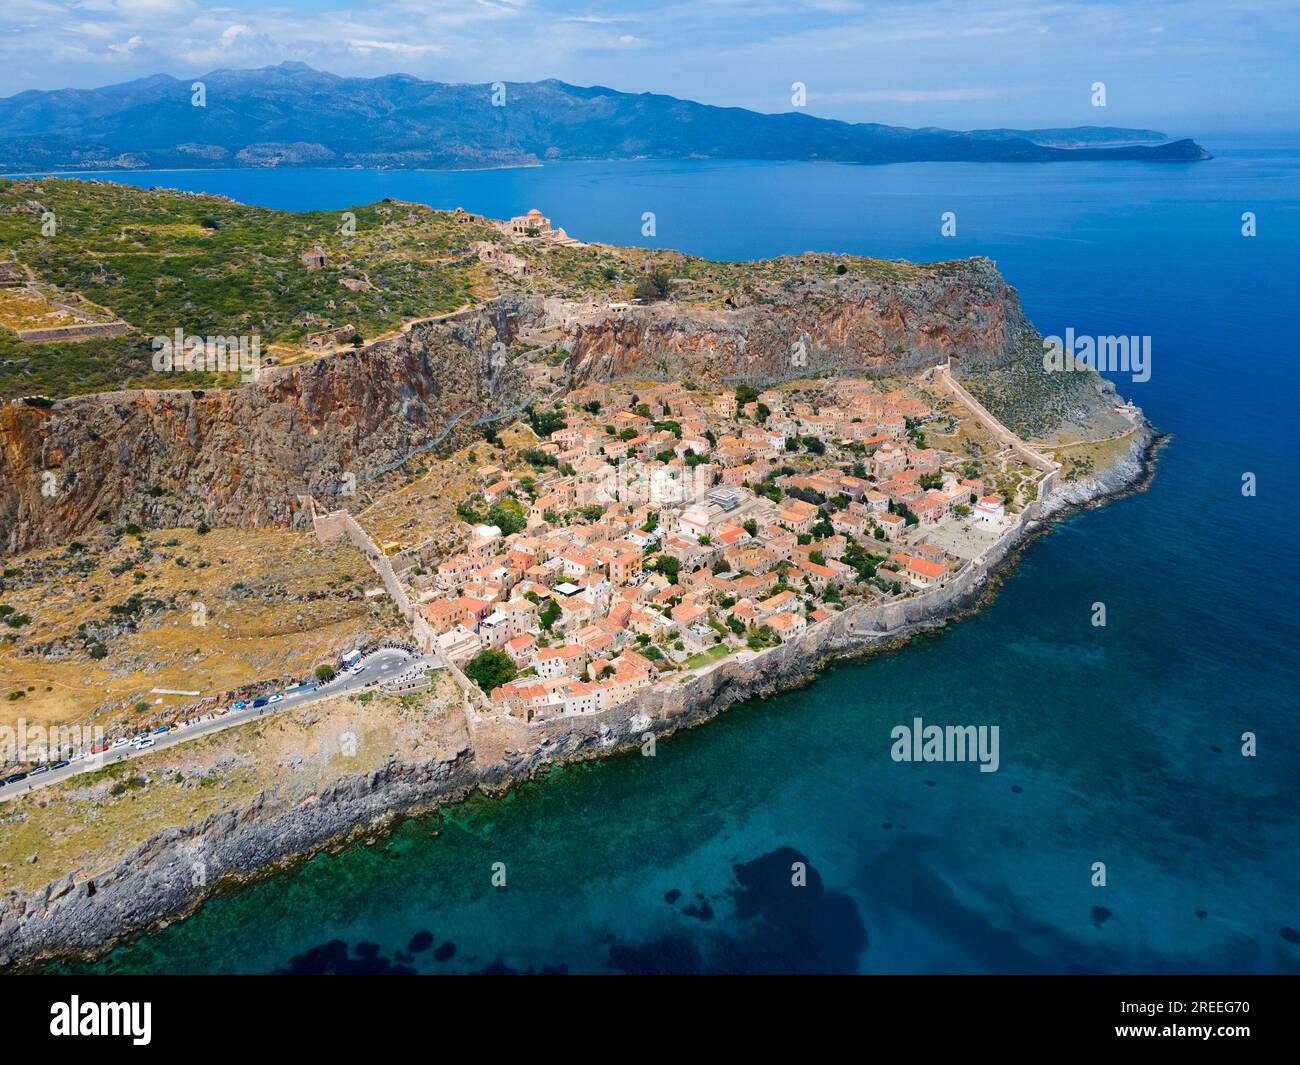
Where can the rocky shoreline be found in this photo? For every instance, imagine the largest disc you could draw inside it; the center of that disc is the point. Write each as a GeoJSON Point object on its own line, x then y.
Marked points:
{"type": "Point", "coordinates": [155, 883]}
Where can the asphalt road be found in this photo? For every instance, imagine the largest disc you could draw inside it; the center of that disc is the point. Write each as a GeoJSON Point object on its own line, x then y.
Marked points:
{"type": "Point", "coordinates": [381, 665]}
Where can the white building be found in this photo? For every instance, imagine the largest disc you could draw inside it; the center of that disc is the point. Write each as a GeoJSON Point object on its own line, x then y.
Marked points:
{"type": "Point", "coordinates": [990, 510]}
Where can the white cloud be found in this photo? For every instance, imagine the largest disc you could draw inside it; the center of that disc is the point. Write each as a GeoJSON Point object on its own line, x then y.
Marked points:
{"type": "Point", "coordinates": [394, 48]}
{"type": "Point", "coordinates": [130, 45]}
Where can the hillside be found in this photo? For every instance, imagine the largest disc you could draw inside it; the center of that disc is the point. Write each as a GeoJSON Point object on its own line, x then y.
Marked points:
{"type": "Point", "coordinates": [292, 115]}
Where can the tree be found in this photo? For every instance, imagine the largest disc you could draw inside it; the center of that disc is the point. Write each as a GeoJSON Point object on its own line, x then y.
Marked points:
{"type": "Point", "coordinates": [537, 458]}
{"type": "Point", "coordinates": [490, 669]}
{"type": "Point", "coordinates": [508, 516]}
{"type": "Point", "coordinates": [549, 616]}
{"type": "Point", "coordinates": [325, 673]}
{"type": "Point", "coordinates": [655, 285]}
{"type": "Point", "coordinates": [545, 422]}
{"type": "Point", "coordinates": [668, 566]}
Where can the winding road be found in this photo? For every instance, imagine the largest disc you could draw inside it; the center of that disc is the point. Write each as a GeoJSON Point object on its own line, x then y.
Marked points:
{"type": "Point", "coordinates": [380, 665]}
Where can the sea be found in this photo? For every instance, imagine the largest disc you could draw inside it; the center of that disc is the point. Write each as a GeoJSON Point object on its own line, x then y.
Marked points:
{"type": "Point", "coordinates": [1144, 816]}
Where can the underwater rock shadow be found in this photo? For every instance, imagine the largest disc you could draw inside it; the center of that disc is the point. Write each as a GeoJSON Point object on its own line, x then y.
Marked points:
{"type": "Point", "coordinates": [779, 928]}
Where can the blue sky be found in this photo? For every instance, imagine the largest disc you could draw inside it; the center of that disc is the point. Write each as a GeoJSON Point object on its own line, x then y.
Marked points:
{"type": "Point", "coordinates": [1183, 66]}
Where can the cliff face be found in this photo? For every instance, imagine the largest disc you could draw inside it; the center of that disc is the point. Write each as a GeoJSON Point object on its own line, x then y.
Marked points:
{"type": "Point", "coordinates": [243, 456]}
{"type": "Point", "coordinates": [858, 326]}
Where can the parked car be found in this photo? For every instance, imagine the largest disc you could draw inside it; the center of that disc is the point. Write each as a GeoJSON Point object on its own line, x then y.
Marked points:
{"type": "Point", "coordinates": [275, 698]}
{"type": "Point", "coordinates": [261, 700]}
{"type": "Point", "coordinates": [359, 668]}
{"type": "Point", "coordinates": [61, 763]}
{"type": "Point", "coordinates": [121, 741]}
{"type": "Point", "coordinates": [39, 770]}
{"type": "Point", "coordinates": [141, 744]}
{"type": "Point", "coordinates": [14, 779]}
{"type": "Point", "coordinates": [161, 729]}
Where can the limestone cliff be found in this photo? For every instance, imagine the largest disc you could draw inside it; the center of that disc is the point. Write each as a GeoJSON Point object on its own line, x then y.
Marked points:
{"type": "Point", "coordinates": [849, 324]}
{"type": "Point", "coordinates": [243, 456]}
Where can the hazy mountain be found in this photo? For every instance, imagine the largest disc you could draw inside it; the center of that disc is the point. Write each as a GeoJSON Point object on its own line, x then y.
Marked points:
{"type": "Point", "coordinates": [1077, 136]}
{"type": "Point", "coordinates": [292, 115]}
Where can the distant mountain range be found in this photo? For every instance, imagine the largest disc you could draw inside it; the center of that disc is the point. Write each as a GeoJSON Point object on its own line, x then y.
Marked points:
{"type": "Point", "coordinates": [292, 115]}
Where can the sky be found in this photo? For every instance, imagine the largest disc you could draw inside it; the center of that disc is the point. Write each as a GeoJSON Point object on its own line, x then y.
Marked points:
{"type": "Point", "coordinates": [1185, 67]}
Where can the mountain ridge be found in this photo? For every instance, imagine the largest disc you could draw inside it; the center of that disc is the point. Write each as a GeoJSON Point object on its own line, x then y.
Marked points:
{"type": "Point", "coordinates": [293, 115]}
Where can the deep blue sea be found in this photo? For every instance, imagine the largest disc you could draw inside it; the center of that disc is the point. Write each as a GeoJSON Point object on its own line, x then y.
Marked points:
{"type": "Point", "coordinates": [1119, 744]}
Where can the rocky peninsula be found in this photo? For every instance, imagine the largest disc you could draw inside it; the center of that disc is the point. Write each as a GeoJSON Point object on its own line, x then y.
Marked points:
{"type": "Point", "coordinates": [362, 427]}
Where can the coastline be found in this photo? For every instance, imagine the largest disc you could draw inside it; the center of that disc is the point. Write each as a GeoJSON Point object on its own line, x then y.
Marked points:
{"type": "Point", "coordinates": [152, 885]}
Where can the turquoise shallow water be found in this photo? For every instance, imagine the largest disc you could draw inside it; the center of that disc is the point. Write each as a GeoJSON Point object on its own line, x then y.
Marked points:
{"type": "Point", "coordinates": [1118, 744]}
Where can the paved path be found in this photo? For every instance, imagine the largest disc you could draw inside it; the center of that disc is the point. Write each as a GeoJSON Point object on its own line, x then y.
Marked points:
{"type": "Point", "coordinates": [384, 664]}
